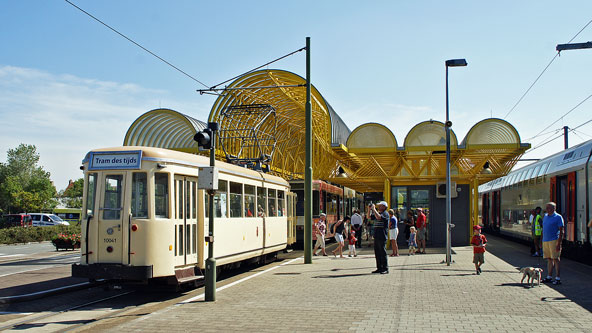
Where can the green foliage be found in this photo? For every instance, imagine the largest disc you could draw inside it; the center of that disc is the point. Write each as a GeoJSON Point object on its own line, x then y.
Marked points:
{"type": "Point", "coordinates": [35, 234]}
{"type": "Point", "coordinates": [25, 186]}
{"type": "Point", "coordinates": [72, 196]}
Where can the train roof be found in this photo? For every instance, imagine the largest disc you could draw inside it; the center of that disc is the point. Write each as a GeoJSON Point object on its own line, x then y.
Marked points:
{"type": "Point", "coordinates": [181, 158]}
{"type": "Point", "coordinates": [562, 162]}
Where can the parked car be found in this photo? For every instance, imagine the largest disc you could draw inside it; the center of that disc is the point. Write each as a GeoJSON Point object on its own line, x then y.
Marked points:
{"type": "Point", "coordinates": [44, 220]}
{"type": "Point", "coordinates": [16, 220]}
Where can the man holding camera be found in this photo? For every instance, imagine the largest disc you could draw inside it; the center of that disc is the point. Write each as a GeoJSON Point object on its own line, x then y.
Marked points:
{"type": "Point", "coordinates": [380, 236]}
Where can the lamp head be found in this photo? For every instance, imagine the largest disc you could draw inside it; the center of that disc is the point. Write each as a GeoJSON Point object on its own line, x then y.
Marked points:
{"type": "Point", "coordinates": [456, 63]}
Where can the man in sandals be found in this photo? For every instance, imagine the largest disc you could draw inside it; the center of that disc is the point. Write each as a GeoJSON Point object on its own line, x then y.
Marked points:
{"type": "Point", "coordinates": [552, 237]}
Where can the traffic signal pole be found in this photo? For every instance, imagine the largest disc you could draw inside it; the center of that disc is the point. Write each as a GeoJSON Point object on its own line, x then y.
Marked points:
{"type": "Point", "coordinates": [210, 292]}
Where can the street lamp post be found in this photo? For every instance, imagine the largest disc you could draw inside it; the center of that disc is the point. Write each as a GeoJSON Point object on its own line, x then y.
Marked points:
{"type": "Point", "coordinates": [448, 124]}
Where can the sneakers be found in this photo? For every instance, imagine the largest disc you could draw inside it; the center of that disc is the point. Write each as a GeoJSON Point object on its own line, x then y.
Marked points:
{"type": "Point", "coordinates": [536, 254]}
{"type": "Point", "coordinates": [547, 280]}
{"type": "Point", "coordinates": [557, 282]}
{"type": "Point", "coordinates": [384, 272]}
{"type": "Point", "coordinates": [478, 271]}
{"type": "Point", "coordinates": [375, 272]}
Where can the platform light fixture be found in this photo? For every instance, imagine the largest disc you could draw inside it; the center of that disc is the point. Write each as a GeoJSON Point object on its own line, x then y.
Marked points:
{"type": "Point", "coordinates": [447, 125]}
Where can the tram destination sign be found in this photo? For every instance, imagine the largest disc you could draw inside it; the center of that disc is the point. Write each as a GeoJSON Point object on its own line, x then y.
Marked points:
{"type": "Point", "coordinates": [115, 160]}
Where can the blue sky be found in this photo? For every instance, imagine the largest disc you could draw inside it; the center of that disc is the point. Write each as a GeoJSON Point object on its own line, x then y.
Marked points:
{"type": "Point", "coordinates": [68, 84]}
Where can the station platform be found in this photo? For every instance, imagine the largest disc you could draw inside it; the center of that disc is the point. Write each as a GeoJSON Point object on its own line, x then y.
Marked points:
{"type": "Point", "coordinates": [419, 294]}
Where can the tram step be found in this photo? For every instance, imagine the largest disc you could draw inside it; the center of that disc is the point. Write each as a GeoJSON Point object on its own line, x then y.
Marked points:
{"type": "Point", "coordinates": [189, 279]}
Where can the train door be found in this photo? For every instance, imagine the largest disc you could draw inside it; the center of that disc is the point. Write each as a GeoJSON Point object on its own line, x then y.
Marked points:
{"type": "Point", "coordinates": [495, 211]}
{"type": "Point", "coordinates": [185, 220]}
{"type": "Point", "coordinates": [485, 210]}
{"type": "Point", "coordinates": [563, 193]}
{"type": "Point", "coordinates": [291, 216]}
{"type": "Point", "coordinates": [111, 219]}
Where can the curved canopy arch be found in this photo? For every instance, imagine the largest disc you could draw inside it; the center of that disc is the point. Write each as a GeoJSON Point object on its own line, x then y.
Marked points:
{"type": "Point", "coordinates": [371, 137]}
{"type": "Point", "coordinates": [490, 132]}
{"type": "Point", "coordinates": [164, 128]}
{"type": "Point", "coordinates": [429, 135]}
{"type": "Point", "coordinates": [286, 93]}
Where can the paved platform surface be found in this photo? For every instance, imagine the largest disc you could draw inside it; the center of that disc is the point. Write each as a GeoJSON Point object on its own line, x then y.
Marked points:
{"type": "Point", "coordinates": [419, 294]}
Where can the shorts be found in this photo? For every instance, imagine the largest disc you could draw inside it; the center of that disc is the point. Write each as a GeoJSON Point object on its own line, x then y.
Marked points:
{"type": "Point", "coordinates": [421, 234]}
{"type": "Point", "coordinates": [393, 233]}
{"type": "Point", "coordinates": [320, 241]}
{"type": "Point", "coordinates": [478, 257]}
{"type": "Point", "coordinates": [550, 250]}
{"type": "Point", "coordinates": [339, 238]}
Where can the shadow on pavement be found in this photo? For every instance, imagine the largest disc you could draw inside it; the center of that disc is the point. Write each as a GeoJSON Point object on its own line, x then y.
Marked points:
{"type": "Point", "coordinates": [575, 276]}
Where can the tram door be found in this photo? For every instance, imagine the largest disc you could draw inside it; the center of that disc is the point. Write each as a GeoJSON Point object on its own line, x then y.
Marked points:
{"type": "Point", "coordinates": [185, 220]}
{"type": "Point", "coordinates": [563, 193]}
{"type": "Point", "coordinates": [111, 221]}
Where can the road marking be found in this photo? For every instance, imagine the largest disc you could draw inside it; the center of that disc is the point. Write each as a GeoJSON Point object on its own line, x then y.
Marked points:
{"type": "Point", "coordinates": [46, 266]}
{"type": "Point", "coordinates": [15, 313]}
{"type": "Point", "coordinates": [237, 282]}
{"type": "Point", "coordinates": [2, 255]}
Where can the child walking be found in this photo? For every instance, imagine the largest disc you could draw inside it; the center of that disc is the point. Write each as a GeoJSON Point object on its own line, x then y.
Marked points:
{"type": "Point", "coordinates": [478, 241]}
{"type": "Point", "coordinates": [412, 240]}
{"type": "Point", "coordinates": [352, 243]}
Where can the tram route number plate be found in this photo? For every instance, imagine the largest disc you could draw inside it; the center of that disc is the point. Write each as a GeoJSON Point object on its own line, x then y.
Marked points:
{"type": "Point", "coordinates": [208, 178]}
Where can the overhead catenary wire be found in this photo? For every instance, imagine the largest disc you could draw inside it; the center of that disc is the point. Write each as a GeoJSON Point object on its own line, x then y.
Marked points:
{"type": "Point", "coordinates": [565, 114]}
{"type": "Point", "coordinates": [557, 137]}
{"type": "Point", "coordinates": [137, 44]}
{"type": "Point", "coordinates": [543, 72]}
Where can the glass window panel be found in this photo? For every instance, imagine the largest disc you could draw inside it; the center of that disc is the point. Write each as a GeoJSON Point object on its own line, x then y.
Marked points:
{"type": "Point", "coordinates": [220, 200]}
{"type": "Point", "coordinates": [249, 201]}
{"type": "Point", "coordinates": [161, 195]}
{"type": "Point", "coordinates": [236, 199]}
{"type": "Point", "coordinates": [316, 203]}
{"type": "Point", "coordinates": [529, 173]}
{"type": "Point", "coordinates": [91, 190]}
{"type": "Point", "coordinates": [271, 203]}
{"type": "Point", "coordinates": [261, 202]}
{"type": "Point", "coordinates": [179, 204]}
{"type": "Point", "coordinates": [180, 240]}
{"type": "Point", "coordinates": [139, 195]}
{"type": "Point", "coordinates": [194, 200]}
{"type": "Point", "coordinates": [281, 203]}
{"type": "Point", "coordinates": [113, 196]}
{"type": "Point", "coordinates": [544, 169]}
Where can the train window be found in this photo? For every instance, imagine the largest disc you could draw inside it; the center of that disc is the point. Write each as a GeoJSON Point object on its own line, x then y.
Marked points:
{"type": "Point", "coordinates": [316, 202]}
{"type": "Point", "coordinates": [113, 195]}
{"type": "Point", "coordinates": [544, 169]}
{"type": "Point", "coordinates": [529, 173]}
{"type": "Point", "coordinates": [139, 195]}
{"type": "Point", "coordinates": [180, 240]}
{"type": "Point", "coordinates": [91, 190]}
{"type": "Point", "coordinates": [271, 202]}
{"type": "Point", "coordinates": [536, 171]}
{"type": "Point", "coordinates": [281, 204]}
{"type": "Point", "coordinates": [179, 198]}
{"type": "Point", "coordinates": [249, 201]}
{"type": "Point", "coordinates": [261, 202]}
{"type": "Point", "coordinates": [220, 200]}
{"type": "Point", "coordinates": [236, 199]}
{"type": "Point", "coordinates": [161, 195]}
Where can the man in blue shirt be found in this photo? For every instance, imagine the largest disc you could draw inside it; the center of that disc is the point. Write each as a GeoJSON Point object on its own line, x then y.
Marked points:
{"type": "Point", "coordinates": [552, 237]}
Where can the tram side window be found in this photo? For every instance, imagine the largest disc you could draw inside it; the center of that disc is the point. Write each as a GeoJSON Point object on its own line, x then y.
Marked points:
{"type": "Point", "coordinates": [236, 199]}
{"type": "Point", "coordinates": [249, 201]}
{"type": "Point", "coordinates": [91, 190]}
{"type": "Point", "coordinates": [113, 195]}
{"type": "Point", "coordinates": [271, 204]}
{"type": "Point", "coordinates": [139, 195]}
{"type": "Point", "coordinates": [161, 195]}
{"type": "Point", "coordinates": [220, 200]}
{"type": "Point", "coordinates": [261, 204]}
{"type": "Point", "coordinates": [281, 203]}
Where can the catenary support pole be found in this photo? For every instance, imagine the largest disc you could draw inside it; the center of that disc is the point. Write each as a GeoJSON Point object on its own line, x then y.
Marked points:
{"type": "Point", "coordinates": [308, 166]}
{"type": "Point", "coordinates": [210, 292]}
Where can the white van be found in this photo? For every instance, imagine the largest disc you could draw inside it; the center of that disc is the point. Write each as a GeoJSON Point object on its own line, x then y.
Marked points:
{"type": "Point", "coordinates": [45, 220]}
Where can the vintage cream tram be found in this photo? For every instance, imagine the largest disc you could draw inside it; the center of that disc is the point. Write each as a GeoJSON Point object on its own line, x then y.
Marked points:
{"type": "Point", "coordinates": [145, 217]}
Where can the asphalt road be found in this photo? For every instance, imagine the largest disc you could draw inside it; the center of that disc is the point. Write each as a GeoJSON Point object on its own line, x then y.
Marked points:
{"type": "Point", "coordinates": [15, 259]}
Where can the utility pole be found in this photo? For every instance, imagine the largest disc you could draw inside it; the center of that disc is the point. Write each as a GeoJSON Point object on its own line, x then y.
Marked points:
{"type": "Point", "coordinates": [308, 165]}
{"type": "Point", "coordinates": [565, 144]}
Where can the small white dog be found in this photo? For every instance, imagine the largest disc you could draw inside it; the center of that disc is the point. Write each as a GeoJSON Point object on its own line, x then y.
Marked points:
{"type": "Point", "coordinates": [532, 273]}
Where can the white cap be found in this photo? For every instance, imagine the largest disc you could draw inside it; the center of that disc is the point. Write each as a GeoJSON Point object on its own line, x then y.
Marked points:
{"type": "Point", "coordinates": [384, 204]}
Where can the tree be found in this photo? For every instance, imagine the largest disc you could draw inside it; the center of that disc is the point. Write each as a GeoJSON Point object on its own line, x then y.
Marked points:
{"type": "Point", "coordinates": [72, 196]}
{"type": "Point", "coordinates": [25, 186]}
